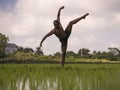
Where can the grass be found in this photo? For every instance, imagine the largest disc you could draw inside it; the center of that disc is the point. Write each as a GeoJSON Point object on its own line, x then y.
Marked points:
{"type": "Point", "coordinates": [54, 77]}
{"type": "Point", "coordinates": [21, 57]}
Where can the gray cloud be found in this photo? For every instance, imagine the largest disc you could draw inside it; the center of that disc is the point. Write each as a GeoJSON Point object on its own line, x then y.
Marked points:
{"type": "Point", "coordinates": [30, 20]}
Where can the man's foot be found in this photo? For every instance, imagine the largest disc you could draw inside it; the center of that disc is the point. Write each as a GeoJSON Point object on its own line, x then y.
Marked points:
{"type": "Point", "coordinates": [62, 64]}
{"type": "Point", "coordinates": [85, 15]}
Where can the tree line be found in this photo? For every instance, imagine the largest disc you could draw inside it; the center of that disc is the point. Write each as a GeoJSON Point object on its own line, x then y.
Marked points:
{"type": "Point", "coordinates": [112, 53]}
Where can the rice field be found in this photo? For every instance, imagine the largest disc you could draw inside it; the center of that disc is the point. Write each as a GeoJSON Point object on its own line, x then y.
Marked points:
{"type": "Point", "coordinates": [54, 77]}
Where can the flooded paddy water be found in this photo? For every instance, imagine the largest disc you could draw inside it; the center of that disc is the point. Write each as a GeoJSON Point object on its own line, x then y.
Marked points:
{"type": "Point", "coordinates": [54, 77]}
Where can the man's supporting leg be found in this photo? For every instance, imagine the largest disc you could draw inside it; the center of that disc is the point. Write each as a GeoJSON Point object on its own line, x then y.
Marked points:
{"type": "Point", "coordinates": [63, 54]}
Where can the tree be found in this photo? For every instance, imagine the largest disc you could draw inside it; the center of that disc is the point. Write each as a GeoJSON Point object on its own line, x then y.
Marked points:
{"type": "Point", "coordinates": [3, 40]}
{"type": "Point", "coordinates": [25, 50]}
{"type": "Point", "coordinates": [39, 52]}
{"type": "Point", "coordinates": [113, 53]}
{"type": "Point", "coordinates": [71, 53]}
{"type": "Point", "coordinates": [84, 52]}
{"type": "Point", "coordinates": [28, 50]}
{"type": "Point", "coordinates": [57, 54]}
{"type": "Point", "coordinates": [20, 49]}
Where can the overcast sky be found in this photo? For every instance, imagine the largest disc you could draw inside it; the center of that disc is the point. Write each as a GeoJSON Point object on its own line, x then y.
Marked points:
{"type": "Point", "coordinates": [25, 22]}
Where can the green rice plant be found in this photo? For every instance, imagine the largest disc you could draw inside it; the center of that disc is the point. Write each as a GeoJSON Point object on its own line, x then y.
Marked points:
{"type": "Point", "coordinates": [54, 77]}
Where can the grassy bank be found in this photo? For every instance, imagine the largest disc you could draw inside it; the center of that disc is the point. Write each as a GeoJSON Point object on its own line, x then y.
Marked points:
{"type": "Point", "coordinates": [29, 58]}
{"type": "Point", "coordinates": [50, 61]}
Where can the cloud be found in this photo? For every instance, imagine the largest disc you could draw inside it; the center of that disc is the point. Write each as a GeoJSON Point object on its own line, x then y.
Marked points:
{"type": "Point", "coordinates": [30, 20]}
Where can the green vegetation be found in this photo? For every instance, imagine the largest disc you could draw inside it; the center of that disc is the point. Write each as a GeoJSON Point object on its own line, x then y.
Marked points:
{"type": "Point", "coordinates": [84, 54]}
{"type": "Point", "coordinates": [23, 57]}
{"type": "Point", "coordinates": [54, 77]}
{"type": "Point", "coordinates": [3, 41]}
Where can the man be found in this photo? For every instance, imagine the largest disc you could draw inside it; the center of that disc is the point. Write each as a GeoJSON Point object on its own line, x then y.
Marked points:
{"type": "Point", "coordinates": [62, 34]}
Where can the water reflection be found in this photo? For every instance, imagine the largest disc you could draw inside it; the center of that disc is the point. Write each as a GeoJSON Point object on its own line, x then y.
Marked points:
{"type": "Point", "coordinates": [61, 79]}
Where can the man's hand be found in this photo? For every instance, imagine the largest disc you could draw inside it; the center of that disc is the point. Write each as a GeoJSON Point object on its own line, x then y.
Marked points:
{"type": "Point", "coordinates": [39, 48]}
{"type": "Point", "coordinates": [62, 7]}
{"type": "Point", "coordinates": [85, 15]}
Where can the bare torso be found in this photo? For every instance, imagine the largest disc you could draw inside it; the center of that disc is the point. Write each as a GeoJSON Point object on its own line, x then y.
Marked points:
{"type": "Point", "coordinates": [60, 33]}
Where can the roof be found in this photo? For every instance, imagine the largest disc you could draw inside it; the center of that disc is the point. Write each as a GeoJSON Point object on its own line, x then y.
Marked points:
{"type": "Point", "coordinates": [11, 45]}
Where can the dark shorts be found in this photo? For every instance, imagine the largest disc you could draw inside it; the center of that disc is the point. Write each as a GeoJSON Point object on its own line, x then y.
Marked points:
{"type": "Point", "coordinates": [64, 41]}
{"type": "Point", "coordinates": [68, 32]}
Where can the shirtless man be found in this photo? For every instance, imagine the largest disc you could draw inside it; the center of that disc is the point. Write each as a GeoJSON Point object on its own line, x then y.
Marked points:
{"type": "Point", "coordinates": [62, 34]}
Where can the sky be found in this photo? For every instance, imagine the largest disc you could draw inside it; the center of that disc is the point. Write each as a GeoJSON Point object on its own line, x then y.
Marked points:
{"type": "Point", "coordinates": [26, 22]}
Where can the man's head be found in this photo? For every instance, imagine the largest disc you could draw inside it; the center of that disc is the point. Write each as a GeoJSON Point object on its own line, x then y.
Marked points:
{"type": "Point", "coordinates": [56, 23]}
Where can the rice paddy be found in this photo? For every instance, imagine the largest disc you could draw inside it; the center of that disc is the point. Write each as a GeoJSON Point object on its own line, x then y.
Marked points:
{"type": "Point", "coordinates": [54, 77]}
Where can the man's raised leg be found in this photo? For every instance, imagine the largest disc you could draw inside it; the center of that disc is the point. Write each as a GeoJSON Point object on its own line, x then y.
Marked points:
{"type": "Point", "coordinates": [69, 26]}
{"type": "Point", "coordinates": [78, 19]}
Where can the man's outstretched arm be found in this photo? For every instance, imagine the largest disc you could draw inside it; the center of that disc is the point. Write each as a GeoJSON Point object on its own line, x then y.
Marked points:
{"type": "Point", "coordinates": [58, 15]}
{"type": "Point", "coordinates": [47, 35]}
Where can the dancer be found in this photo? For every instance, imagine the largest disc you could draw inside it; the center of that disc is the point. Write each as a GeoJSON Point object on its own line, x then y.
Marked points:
{"type": "Point", "coordinates": [62, 34]}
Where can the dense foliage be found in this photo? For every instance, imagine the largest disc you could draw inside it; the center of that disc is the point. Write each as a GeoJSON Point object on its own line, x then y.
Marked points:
{"type": "Point", "coordinates": [112, 54]}
{"type": "Point", "coordinates": [3, 41]}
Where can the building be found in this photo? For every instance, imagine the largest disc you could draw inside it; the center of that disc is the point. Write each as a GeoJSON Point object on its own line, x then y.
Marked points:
{"type": "Point", "coordinates": [10, 48]}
